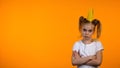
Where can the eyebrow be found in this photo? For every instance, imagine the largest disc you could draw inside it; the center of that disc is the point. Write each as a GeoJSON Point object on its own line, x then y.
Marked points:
{"type": "Point", "coordinates": [90, 30]}
{"type": "Point", "coordinates": [86, 29]}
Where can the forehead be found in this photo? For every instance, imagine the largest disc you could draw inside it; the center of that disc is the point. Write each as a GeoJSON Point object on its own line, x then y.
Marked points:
{"type": "Point", "coordinates": [88, 26]}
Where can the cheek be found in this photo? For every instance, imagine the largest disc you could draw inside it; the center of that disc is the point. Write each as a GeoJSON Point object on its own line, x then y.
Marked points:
{"type": "Point", "coordinates": [82, 33]}
{"type": "Point", "coordinates": [91, 33]}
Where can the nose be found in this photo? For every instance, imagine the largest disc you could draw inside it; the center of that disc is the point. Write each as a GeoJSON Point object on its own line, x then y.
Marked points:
{"type": "Point", "coordinates": [86, 32]}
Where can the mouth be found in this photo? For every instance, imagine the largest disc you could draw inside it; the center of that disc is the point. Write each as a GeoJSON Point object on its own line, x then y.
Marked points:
{"type": "Point", "coordinates": [86, 36]}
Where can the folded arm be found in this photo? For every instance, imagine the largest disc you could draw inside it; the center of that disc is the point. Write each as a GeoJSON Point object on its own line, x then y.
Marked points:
{"type": "Point", "coordinates": [89, 60]}
{"type": "Point", "coordinates": [77, 60]}
{"type": "Point", "coordinates": [97, 61]}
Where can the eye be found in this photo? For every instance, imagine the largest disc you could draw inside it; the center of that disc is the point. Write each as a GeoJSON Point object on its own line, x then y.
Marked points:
{"type": "Point", "coordinates": [90, 30]}
{"type": "Point", "coordinates": [84, 30]}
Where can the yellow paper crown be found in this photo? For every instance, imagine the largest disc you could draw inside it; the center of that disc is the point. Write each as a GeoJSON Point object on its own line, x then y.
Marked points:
{"type": "Point", "coordinates": [90, 15]}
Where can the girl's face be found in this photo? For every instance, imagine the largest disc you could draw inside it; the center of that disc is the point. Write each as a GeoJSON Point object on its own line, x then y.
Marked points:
{"type": "Point", "coordinates": [87, 31]}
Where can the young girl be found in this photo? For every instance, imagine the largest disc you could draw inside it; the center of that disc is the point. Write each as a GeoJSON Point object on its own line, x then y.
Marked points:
{"type": "Point", "coordinates": [87, 53]}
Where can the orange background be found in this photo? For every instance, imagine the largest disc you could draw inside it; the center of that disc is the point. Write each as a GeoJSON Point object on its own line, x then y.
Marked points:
{"type": "Point", "coordinates": [41, 34]}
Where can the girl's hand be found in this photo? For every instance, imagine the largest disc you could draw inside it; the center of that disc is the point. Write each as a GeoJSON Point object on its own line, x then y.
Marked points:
{"type": "Point", "coordinates": [92, 57]}
{"type": "Point", "coordinates": [76, 55]}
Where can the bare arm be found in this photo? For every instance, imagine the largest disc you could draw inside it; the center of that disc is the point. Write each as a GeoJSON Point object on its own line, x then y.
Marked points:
{"type": "Point", "coordinates": [77, 60]}
{"type": "Point", "coordinates": [97, 61]}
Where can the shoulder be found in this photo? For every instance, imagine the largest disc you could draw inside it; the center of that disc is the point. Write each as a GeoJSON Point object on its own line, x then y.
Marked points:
{"type": "Point", "coordinates": [98, 42]}
{"type": "Point", "coordinates": [76, 46]}
{"type": "Point", "coordinates": [99, 45]}
{"type": "Point", "coordinates": [77, 42]}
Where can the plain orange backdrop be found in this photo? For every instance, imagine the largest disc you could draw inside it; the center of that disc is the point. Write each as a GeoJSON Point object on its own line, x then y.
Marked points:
{"type": "Point", "coordinates": [41, 33]}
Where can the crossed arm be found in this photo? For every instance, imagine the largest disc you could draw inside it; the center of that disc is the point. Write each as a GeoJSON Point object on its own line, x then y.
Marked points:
{"type": "Point", "coordinates": [94, 60]}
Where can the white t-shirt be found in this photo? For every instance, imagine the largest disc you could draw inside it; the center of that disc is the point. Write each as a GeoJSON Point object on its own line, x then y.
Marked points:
{"type": "Point", "coordinates": [87, 50]}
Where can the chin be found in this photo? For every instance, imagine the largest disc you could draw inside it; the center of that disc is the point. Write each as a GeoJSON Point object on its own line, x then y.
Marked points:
{"type": "Point", "coordinates": [86, 38]}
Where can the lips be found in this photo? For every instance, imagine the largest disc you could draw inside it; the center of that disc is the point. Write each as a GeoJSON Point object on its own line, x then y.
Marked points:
{"type": "Point", "coordinates": [86, 36]}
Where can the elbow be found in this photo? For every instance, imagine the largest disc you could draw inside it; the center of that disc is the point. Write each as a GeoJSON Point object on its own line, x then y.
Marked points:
{"type": "Point", "coordinates": [98, 63]}
{"type": "Point", "coordinates": [73, 63]}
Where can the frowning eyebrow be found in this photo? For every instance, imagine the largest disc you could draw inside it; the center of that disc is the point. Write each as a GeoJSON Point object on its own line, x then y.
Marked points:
{"type": "Point", "coordinates": [90, 30]}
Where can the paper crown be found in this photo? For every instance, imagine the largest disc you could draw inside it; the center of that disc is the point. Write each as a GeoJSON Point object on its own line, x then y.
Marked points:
{"type": "Point", "coordinates": [90, 15]}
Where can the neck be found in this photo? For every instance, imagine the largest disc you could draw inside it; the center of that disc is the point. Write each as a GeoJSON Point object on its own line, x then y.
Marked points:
{"type": "Point", "coordinates": [87, 41]}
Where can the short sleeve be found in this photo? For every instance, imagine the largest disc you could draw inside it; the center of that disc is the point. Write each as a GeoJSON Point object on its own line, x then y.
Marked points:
{"type": "Point", "coordinates": [76, 47]}
{"type": "Point", "coordinates": [99, 46]}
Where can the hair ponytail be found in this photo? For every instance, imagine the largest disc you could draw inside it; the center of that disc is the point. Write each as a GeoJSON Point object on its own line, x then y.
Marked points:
{"type": "Point", "coordinates": [97, 24]}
